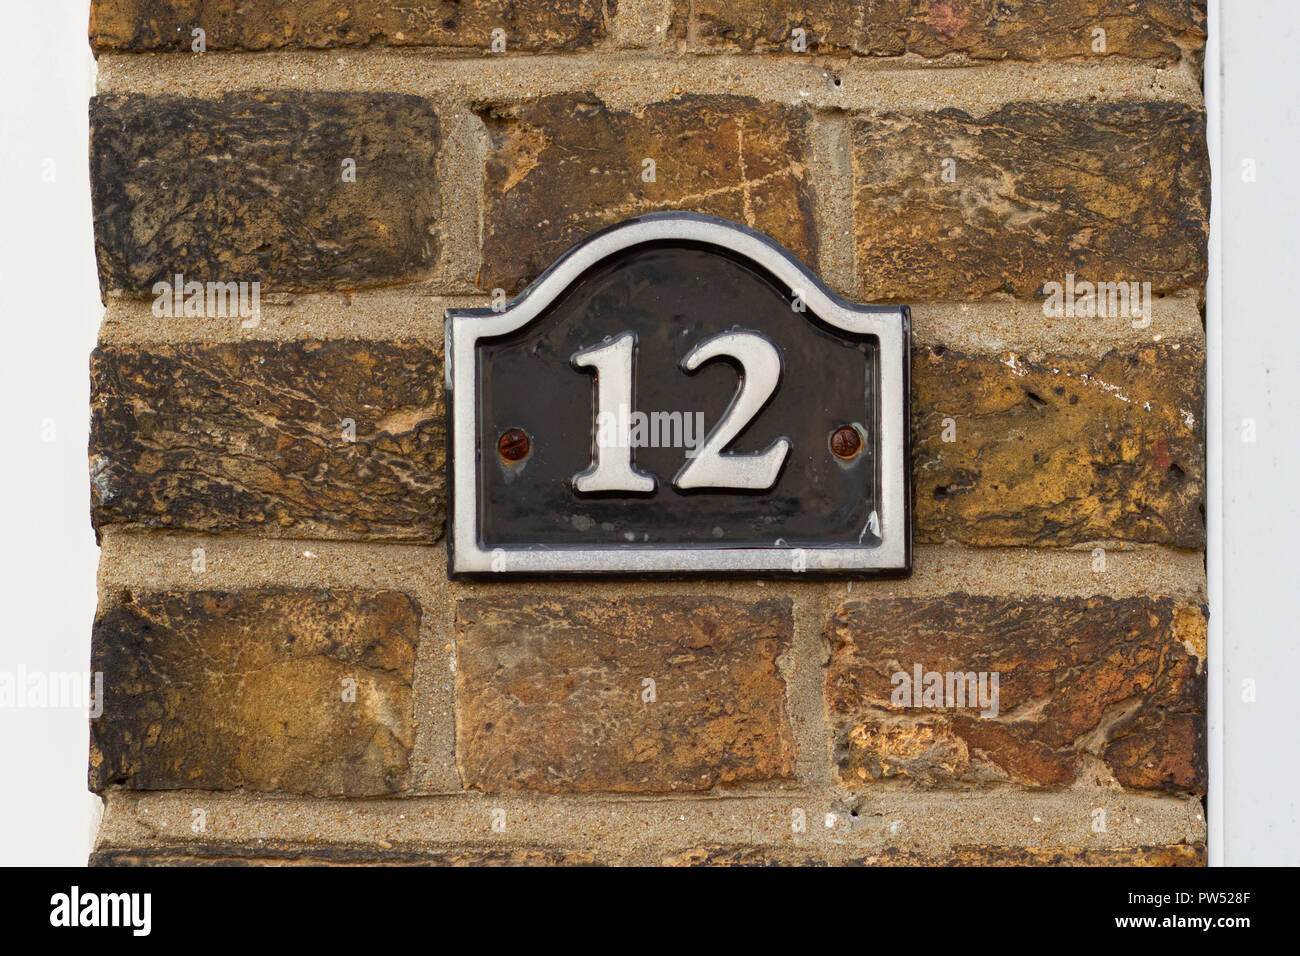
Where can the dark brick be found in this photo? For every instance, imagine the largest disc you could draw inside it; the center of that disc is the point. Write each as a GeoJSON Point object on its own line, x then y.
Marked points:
{"type": "Point", "coordinates": [549, 693]}
{"type": "Point", "coordinates": [980, 29]}
{"type": "Point", "coordinates": [1060, 449]}
{"type": "Point", "coordinates": [250, 437]}
{"type": "Point", "coordinates": [225, 690]}
{"type": "Point", "coordinates": [565, 166]}
{"type": "Point", "coordinates": [1106, 191]}
{"type": "Point", "coordinates": [1180, 854]}
{"type": "Point", "coordinates": [530, 25]}
{"type": "Point", "coordinates": [250, 187]}
{"type": "Point", "coordinates": [1174, 854]}
{"type": "Point", "coordinates": [1116, 678]}
{"type": "Point", "coordinates": [287, 854]}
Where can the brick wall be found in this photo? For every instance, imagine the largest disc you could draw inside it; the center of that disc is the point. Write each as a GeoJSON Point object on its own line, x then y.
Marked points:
{"type": "Point", "coordinates": [290, 676]}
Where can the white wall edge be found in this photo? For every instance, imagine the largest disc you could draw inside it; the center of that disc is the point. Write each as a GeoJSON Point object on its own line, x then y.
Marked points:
{"type": "Point", "coordinates": [1214, 736]}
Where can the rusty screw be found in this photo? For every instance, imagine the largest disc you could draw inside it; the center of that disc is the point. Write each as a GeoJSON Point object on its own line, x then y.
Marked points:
{"type": "Point", "coordinates": [513, 445]}
{"type": "Point", "coordinates": [846, 442]}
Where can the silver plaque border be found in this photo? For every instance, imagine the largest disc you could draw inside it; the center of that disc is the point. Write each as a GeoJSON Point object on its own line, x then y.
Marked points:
{"type": "Point", "coordinates": [890, 325]}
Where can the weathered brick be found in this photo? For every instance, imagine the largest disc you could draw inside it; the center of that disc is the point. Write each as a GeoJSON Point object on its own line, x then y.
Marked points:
{"type": "Point", "coordinates": [834, 26]}
{"type": "Point", "coordinates": [550, 693]}
{"type": "Point", "coordinates": [280, 854]}
{"type": "Point", "coordinates": [529, 25]}
{"type": "Point", "coordinates": [1173, 854]}
{"type": "Point", "coordinates": [251, 187]}
{"type": "Point", "coordinates": [565, 166]}
{"type": "Point", "coordinates": [1059, 449]}
{"type": "Point", "coordinates": [981, 29]}
{"type": "Point", "coordinates": [1106, 191]}
{"type": "Point", "coordinates": [1118, 679]}
{"type": "Point", "coordinates": [1053, 450]}
{"type": "Point", "coordinates": [251, 437]}
{"type": "Point", "coordinates": [720, 855]}
{"type": "Point", "coordinates": [1179, 854]}
{"type": "Point", "coordinates": [223, 690]}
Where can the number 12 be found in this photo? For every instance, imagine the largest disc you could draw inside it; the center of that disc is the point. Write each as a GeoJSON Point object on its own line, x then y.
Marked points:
{"type": "Point", "coordinates": [611, 468]}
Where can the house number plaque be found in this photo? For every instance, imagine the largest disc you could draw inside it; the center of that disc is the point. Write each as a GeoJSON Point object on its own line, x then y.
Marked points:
{"type": "Point", "coordinates": [678, 395]}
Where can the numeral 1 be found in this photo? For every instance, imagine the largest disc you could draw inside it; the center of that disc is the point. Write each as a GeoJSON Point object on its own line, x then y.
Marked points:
{"type": "Point", "coordinates": [611, 465]}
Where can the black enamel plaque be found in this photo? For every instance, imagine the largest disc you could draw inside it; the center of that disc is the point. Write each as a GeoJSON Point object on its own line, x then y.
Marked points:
{"type": "Point", "coordinates": [678, 395]}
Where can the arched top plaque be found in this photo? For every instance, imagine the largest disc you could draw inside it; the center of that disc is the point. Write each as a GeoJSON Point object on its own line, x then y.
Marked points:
{"type": "Point", "coordinates": [678, 395]}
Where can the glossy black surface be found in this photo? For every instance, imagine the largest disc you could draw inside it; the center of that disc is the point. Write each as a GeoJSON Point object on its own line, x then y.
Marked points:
{"type": "Point", "coordinates": [672, 296]}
